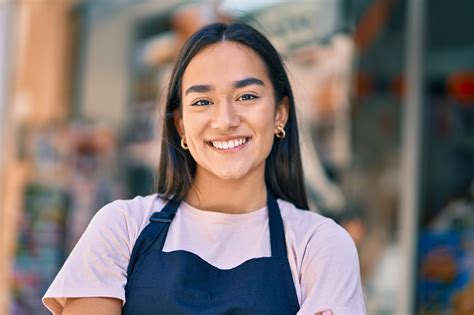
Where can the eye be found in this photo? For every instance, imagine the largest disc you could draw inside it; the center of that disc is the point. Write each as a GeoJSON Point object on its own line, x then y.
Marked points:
{"type": "Point", "coordinates": [201, 103]}
{"type": "Point", "coordinates": [247, 97]}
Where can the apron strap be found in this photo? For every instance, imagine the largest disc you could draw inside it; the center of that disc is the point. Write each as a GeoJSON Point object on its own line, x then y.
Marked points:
{"type": "Point", "coordinates": [154, 234]}
{"type": "Point", "coordinates": [277, 232]}
{"type": "Point", "coordinates": [278, 243]}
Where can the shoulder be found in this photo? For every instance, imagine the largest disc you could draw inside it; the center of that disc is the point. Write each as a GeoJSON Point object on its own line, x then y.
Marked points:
{"type": "Point", "coordinates": [291, 213]}
{"type": "Point", "coordinates": [308, 222]}
{"type": "Point", "coordinates": [128, 216]}
{"type": "Point", "coordinates": [315, 232]}
{"type": "Point", "coordinates": [135, 207]}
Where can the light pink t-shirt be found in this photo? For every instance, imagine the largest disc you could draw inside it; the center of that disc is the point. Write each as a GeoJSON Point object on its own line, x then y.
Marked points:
{"type": "Point", "coordinates": [321, 254]}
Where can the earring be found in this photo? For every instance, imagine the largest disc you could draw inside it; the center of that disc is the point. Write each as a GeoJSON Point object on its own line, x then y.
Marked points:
{"type": "Point", "coordinates": [183, 144]}
{"type": "Point", "coordinates": [281, 133]}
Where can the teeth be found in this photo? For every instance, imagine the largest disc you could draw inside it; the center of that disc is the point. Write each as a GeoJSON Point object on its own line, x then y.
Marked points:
{"type": "Point", "coordinates": [228, 144]}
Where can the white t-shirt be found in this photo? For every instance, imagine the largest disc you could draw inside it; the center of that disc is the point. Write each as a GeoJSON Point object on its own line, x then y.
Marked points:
{"type": "Point", "coordinates": [322, 256]}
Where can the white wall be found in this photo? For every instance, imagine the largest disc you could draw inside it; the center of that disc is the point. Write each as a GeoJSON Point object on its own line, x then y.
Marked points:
{"type": "Point", "coordinates": [6, 12]}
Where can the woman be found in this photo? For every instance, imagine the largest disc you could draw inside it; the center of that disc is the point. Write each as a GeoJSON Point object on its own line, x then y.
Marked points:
{"type": "Point", "coordinates": [225, 233]}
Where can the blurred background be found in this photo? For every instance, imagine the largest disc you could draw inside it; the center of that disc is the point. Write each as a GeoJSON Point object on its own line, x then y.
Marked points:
{"type": "Point", "coordinates": [385, 96]}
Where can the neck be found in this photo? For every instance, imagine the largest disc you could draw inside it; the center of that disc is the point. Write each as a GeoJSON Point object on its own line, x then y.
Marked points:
{"type": "Point", "coordinates": [228, 196]}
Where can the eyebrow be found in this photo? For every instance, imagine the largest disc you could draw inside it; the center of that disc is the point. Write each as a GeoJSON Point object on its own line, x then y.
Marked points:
{"type": "Point", "coordinates": [203, 88]}
{"type": "Point", "coordinates": [246, 82]}
{"type": "Point", "coordinates": [198, 89]}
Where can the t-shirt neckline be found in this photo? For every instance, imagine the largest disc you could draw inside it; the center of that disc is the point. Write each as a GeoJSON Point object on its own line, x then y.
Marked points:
{"type": "Point", "coordinates": [261, 213]}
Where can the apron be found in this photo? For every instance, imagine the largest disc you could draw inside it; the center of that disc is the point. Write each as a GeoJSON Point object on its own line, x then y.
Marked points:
{"type": "Point", "coordinates": [181, 282]}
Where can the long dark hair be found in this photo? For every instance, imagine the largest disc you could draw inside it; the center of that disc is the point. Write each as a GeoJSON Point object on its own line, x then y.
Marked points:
{"type": "Point", "coordinates": [283, 169]}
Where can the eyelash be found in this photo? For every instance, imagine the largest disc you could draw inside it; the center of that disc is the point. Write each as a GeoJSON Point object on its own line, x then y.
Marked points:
{"type": "Point", "coordinates": [244, 97]}
{"type": "Point", "coordinates": [252, 97]}
{"type": "Point", "coordinates": [200, 101]}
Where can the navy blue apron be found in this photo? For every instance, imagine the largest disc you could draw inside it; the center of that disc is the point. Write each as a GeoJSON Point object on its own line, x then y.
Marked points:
{"type": "Point", "coordinates": [181, 282]}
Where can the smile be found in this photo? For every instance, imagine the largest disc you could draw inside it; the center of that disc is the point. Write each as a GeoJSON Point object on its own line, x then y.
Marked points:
{"type": "Point", "coordinates": [229, 144]}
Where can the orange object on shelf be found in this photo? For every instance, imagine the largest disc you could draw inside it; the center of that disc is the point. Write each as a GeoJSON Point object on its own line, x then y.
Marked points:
{"type": "Point", "coordinates": [461, 87]}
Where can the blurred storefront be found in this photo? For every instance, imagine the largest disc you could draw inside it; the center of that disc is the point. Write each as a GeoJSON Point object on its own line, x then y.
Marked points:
{"type": "Point", "coordinates": [386, 110]}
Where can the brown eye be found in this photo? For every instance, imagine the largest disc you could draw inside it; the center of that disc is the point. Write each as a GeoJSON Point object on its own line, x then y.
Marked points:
{"type": "Point", "coordinates": [247, 97]}
{"type": "Point", "coordinates": [201, 103]}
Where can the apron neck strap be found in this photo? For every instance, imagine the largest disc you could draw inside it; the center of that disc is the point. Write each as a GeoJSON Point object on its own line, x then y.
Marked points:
{"type": "Point", "coordinates": [277, 232]}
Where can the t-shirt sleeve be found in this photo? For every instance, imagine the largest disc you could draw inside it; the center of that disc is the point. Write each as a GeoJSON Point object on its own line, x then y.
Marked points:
{"type": "Point", "coordinates": [97, 266]}
{"type": "Point", "coordinates": [330, 274]}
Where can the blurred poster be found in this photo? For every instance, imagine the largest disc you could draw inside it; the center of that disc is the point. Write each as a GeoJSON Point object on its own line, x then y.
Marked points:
{"type": "Point", "coordinates": [446, 279]}
{"type": "Point", "coordinates": [40, 247]}
{"type": "Point", "coordinates": [93, 165]}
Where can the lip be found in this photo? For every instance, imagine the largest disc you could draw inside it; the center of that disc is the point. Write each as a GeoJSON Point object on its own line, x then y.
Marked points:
{"type": "Point", "coordinates": [228, 138]}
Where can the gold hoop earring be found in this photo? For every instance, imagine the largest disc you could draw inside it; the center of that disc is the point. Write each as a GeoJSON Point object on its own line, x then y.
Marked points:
{"type": "Point", "coordinates": [281, 133]}
{"type": "Point", "coordinates": [183, 144]}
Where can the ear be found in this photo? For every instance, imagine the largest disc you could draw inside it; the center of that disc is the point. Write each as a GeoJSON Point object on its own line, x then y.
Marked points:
{"type": "Point", "coordinates": [282, 109]}
{"type": "Point", "coordinates": [178, 122]}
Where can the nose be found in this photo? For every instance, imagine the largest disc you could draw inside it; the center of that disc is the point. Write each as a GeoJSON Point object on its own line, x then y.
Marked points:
{"type": "Point", "coordinates": [225, 116]}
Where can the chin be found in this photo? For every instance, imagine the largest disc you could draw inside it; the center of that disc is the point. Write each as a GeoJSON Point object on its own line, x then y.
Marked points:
{"type": "Point", "coordinates": [230, 174]}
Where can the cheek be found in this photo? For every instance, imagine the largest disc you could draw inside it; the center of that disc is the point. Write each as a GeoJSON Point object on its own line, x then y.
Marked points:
{"type": "Point", "coordinates": [267, 135]}
{"type": "Point", "coordinates": [264, 119]}
{"type": "Point", "coordinates": [191, 126]}
{"type": "Point", "coordinates": [269, 142]}
{"type": "Point", "coordinates": [193, 129]}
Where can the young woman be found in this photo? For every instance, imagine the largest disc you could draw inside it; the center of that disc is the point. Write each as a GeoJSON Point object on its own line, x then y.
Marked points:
{"type": "Point", "coordinates": [224, 234]}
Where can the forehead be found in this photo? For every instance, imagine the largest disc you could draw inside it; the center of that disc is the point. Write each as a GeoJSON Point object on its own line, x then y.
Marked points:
{"type": "Point", "coordinates": [223, 63]}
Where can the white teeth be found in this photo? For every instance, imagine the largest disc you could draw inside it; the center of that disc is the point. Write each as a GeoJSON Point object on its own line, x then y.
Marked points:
{"type": "Point", "coordinates": [228, 144]}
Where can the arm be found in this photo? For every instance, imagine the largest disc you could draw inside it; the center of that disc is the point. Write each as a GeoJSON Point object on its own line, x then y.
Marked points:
{"type": "Point", "coordinates": [95, 271]}
{"type": "Point", "coordinates": [330, 277]}
{"type": "Point", "coordinates": [96, 306]}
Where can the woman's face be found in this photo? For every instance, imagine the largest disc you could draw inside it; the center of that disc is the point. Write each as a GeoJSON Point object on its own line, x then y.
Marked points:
{"type": "Point", "coordinates": [229, 116]}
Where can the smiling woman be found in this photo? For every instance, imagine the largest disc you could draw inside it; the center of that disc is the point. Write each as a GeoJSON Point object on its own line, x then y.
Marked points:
{"type": "Point", "coordinates": [226, 232]}
{"type": "Point", "coordinates": [239, 105]}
